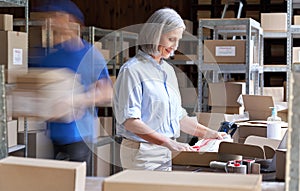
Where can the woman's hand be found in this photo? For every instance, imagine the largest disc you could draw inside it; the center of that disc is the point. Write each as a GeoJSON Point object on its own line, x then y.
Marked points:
{"type": "Point", "coordinates": [177, 146]}
{"type": "Point", "coordinates": [212, 134]}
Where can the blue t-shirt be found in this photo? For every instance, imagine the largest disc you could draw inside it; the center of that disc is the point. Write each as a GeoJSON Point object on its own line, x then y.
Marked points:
{"type": "Point", "coordinates": [91, 66]}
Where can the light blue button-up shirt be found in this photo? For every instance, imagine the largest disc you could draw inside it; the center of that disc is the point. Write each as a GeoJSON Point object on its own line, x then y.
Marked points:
{"type": "Point", "coordinates": [149, 91]}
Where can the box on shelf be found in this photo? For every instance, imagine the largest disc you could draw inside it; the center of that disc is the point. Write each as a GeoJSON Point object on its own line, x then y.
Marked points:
{"type": "Point", "coordinates": [296, 19]}
{"type": "Point", "coordinates": [227, 109]}
{"type": "Point", "coordinates": [186, 57]}
{"type": "Point", "coordinates": [225, 93]}
{"type": "Point", "coordinates": [129, 180]}
{"type": "Point", "coordinates": [276, 92]}
{"type": "Point", "coordinates": [188, 26]}
{"type": "Point", "coordinates": [224, 51]}
{"type": "Point", "coordinates": [39, 145]}
{"type": "Point", "coordinates": [274, 22]}
{"type": "Point", "coordinates": [106, 126]}
{"type": "Point", "coordinates": [296, 54]}
{"type": "Point", "coordinates": [188, 97]}
{"type": "Point", "coordinates": [6, 22]}
{"type": "Point", "coordinates": [33, 124]}
{"type": "Point", "coordinates": [28, 174]}
{"type": "Point", "coordinates": [12, 132]}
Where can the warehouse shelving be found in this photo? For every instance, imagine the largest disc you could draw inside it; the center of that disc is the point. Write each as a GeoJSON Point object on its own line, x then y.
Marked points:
{"type": "Point", "coordinates": [3, 126]}
{"type": "Point", "coordinates": [252, 67]}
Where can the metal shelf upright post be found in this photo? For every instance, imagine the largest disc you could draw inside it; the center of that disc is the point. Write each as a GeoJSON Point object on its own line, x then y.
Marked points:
{"type": "Point", "coordinates": [253, 65]}
{"type": "Point", "coordinates": [3, 128]}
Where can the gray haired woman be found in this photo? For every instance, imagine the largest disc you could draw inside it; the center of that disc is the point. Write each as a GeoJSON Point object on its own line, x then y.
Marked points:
{"type": "Point", "coordinates": [147, 102]}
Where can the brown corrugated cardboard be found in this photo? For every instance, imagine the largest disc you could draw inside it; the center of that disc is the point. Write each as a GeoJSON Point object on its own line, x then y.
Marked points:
{"type": "Point", "coordinates": [193, 158]}
{"type": "Point", "coordinates": [27, 174]}
{"type": "Point", "coordinates": [296, 54]}
{"type": "Point", "coordinates": [6, 22]}
{"type": "Point", "coordinates": [225, 93]}
{"type": "Point", "coordinates": [245, 150]}
{"type": "Point", "coordinates": [106, 126]}
{"type": "Point", "coordinates": [258, 106]}
{"type": "Point", "coordinates": [192, 57]}
{"type": "Point", "coordinates": [280, 163]}
{"type": "Point", "coordinates": [275, 92]}
{"type": "Point", "coordinates": [130, 180]}
{"type": "Point", "coordinates": [296, 19]}
{"type": "Point", "coordinates": [224, 51]}
{"type": "Point", "coordinates": [12, 133]}
{"type": "Point", "coordinates": [13, 52]}
{"type": "Point", "coordinates": [276, 22]}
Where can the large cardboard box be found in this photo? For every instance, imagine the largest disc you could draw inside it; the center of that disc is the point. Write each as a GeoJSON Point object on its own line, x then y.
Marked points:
{"type": "Point", "coordinates": [225, 93]}
{"type": "Point", "coordinates": [224, 51]}
{"type": "Point", "coordinates": [275, 22]}
{"type": "Point", "coordinates": [6, 22]}
{"type": "Point", "coordinates": [129, 180]}
{"type": "Point", "coordinates": [258, 106]}
{"type": "Point", "coordinates": [27, 174]}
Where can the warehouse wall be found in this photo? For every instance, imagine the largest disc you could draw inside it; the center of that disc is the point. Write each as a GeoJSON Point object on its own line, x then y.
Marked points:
{"type": "Point", "coordinates": [115, 14]}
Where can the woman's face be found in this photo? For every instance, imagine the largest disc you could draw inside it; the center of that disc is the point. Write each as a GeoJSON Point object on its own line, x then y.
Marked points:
{"type": "Point", "coordinates": [169, 42]}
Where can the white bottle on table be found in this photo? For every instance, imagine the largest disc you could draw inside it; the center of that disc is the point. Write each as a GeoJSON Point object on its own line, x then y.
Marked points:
{"type": "Point", "coordinates": [274, 125]}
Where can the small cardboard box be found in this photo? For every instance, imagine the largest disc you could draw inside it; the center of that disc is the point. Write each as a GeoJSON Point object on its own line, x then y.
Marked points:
{"type": "Point", "coordinates": [296, 19]}
{"type": "Point", "coordinates": [13, 52]}
{"type": "Point", "coordinates": [28, 174]}
{"type": "Point", "coordinates": [224, 51]}
{"type": "Point", "coordinates": [276, 22]}
{"type": "Point", "coordinates": [6, 22]}
{"type": "Point", "coordinates": [296, 54]}
{"type": "Point", "coordinates": [225, 93]}
{"type": "Point", "coordinates": [129, 180]}
{"type": "Point", "coordinates": [275, 92]}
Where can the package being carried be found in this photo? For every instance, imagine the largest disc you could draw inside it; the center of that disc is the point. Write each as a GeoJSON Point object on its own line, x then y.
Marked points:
{"type": "Point", "coordinates": [49, 94]}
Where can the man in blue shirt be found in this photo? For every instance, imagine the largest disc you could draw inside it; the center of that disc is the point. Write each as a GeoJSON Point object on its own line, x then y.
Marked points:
{"type": "Point", "coordinates": [71, 52]}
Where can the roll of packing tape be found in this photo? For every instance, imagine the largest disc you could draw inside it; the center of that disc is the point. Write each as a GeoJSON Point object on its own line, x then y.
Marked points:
{"type": "Point", "coordinates": [236, 168]}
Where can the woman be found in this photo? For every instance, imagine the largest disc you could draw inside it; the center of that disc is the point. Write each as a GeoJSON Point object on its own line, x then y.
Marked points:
{"type": "Point", "coordinates": [147, 102]}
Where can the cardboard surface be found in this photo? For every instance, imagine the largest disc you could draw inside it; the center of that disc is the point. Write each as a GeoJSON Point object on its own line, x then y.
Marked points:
{"type": "Point", "coordinates": [12, 127]}
{"type": "Point", "coordinates": [211, 120]}
{"type": "Point", "coordinates": [130, 180]}
{"type": "Point", "coordinates": [280, 163]}
{"type": "Point", "coordinates": [224, 51]}
{"type": "Point", "coordinates": [225, 93]}
{"type": "Point", "coordinates": [248, 151]}
{"type": "Point", "coordinates": [193, 158]}
{"type": "Point", "coordinates": [258, 106]}
{"type": "Point", "coordinates": [27, 174]}
{"type": "Point", "coordinates": [274, 22]}
{"type": "Point", "coordinates": [6, 22]}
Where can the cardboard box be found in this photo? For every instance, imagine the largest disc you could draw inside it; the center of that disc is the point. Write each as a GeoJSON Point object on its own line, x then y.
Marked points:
{"type": "Point", "coordinates": [224, 51]}
{"type": "Point", "coordinates": [27, 174]}
{"type": "Point", "coordinates": [258, 128]}
{"type": "Point", "coordinates": [258, 106]}
{"type": "Point", "coordinates": [13, 52]}
{"type": "Point", "coordinates": [225, 93]}
{"type": "Point", "coordinates": [280, 163]}
{"type": "Point", "coordinates": [276, 93]}
{"type": "Point", "coordinates": [275, 22]}
{"type": "Point", "coordinates": [211, 120]}
{"type": "Point", "coordinates": [102, 160]}
{"type": "Point", "coordinates": [227, 110]}
{"type": "Point", "coordinates": [39, 145]}
{"type": "Point", "coordinates": [129, 180]}
{"type": "Point", "coordinates": [6, 22]}
{"type": "Point", "coordinates": [106, 126]}
{"type": "Point", "coordinates": [194, 158]}
{"type": "Point", "coordinates": [188, 25]}
{"type": "Point", "coordinates": [296, 19]}
{"type": "Point", "coordinates": [12, 133]}
{"type": "Point", "coordinates": [185, 57]}
{"type": "Point", "coordinates": [33, 124]}
{"type": "Point", "coordinates": [296, 54]}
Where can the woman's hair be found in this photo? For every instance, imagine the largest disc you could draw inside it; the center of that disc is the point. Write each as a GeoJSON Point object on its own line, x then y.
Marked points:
{"type": "Point", "coordinates": [160, 22]}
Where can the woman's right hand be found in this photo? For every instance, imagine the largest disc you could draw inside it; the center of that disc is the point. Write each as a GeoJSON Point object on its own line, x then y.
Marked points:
{"type": "Point", "coordinates": [177, 146]}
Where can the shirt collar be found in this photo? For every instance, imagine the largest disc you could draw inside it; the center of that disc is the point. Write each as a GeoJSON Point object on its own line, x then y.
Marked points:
{"type": "Point", "coordinates": [148, 57]}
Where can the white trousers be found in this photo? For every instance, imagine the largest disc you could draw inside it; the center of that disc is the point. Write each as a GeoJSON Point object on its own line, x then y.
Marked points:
{"type": "Point", "coordinates": [145, 156]}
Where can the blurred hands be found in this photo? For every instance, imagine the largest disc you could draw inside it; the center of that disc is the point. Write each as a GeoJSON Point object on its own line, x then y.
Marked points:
{"type": "Point", "coordinates": [177, 146]}
{"type": "Point", "coordinates": [212, 134]}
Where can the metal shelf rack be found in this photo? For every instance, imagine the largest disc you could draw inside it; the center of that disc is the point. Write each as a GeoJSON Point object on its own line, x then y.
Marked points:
{"type": "Point", "coordinates": [3, 126]}
{"type": "Point", "coordinates": [228, 28]}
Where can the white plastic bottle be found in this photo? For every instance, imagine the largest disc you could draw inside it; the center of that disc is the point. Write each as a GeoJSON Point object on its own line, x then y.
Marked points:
{"type": "Point", "coordinates": [274, 125]}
